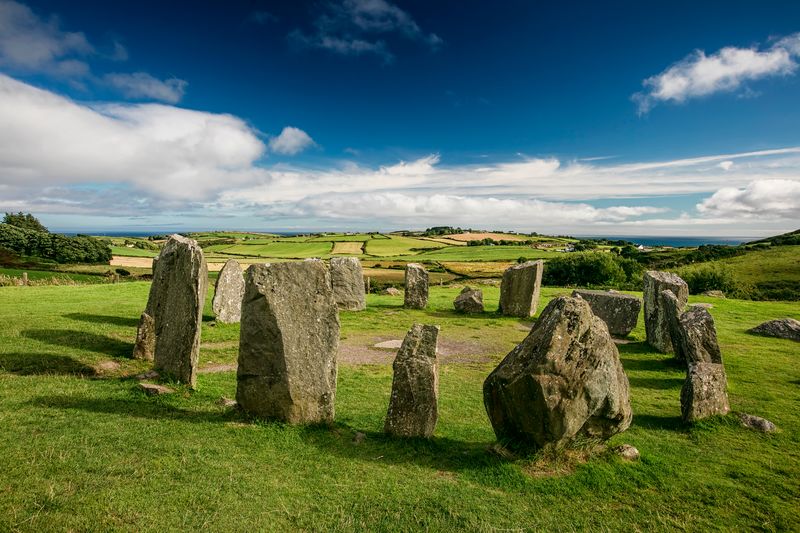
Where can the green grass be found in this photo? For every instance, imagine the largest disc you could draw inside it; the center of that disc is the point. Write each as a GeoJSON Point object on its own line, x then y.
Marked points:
{"type": "Point", "coordinates": [82, 449]}
{"type": "Point", "coordinates": [779, 263]}
{"type": "Point", "coordinates": [485, 253]}
{"type": "Point", "coordinates": [132, 252]}
{"type": "Point", "coordinates": [297, 250]}
{"type": "Point", "coordinates": [50, 274]}
{"type": "Point", "coordinates": [397, 245]}
{"type": "Point", "coordinates": [336, 237]}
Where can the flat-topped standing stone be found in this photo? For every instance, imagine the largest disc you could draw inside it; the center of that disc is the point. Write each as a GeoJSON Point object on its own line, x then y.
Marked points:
{"type": "Point", "coordinates": [519, 291]}
{"type": "Point", "coordinates": [228, 292]}
{"type": "Point", "coordinates": [565, 379]}
{"type": "Point", "coordinates": [145, 346]}
{"type": "Point", "coordinates": [783, 328]}
{"type": "Point", "coordinates": [416, 293]}
{"type": "Point", "coordinates": [347, 280]}
{"type": "Point", "coordinates": [619, 311]}
{"type": "Point", "coordinates": [288, 342]}
{"type": "Point", "coordinates": [469, 301]}
{"type": "Point", "coordinates": [413, 406]}
{"type": "Point", "coordinates": [704, 392]}
{"type": "Point", "coordinates": [692, 332]}
{"type": "Point", "coordinates": [656, 321]}
{"type": "Point", "coordinates": [177, 297]}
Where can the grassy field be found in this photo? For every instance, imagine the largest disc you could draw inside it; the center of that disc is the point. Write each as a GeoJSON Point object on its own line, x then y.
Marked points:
{"type": "Point", "coordinates": [296, 250]}
{"type": "Point", "coordinates": [398, 245]}
{"type": "Point", "coordinates": [781, 263]}
{"type": "Point", "coordinates": [83, 449]}
{"type": "Point", "coordinates": [484, 253]}
{"type": "Point", "coordinates": [132, 252]}
{"type": "Point", "coordinates": [347, 247]}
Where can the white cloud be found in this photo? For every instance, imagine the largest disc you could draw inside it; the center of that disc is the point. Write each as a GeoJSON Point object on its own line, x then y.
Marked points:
{"type": "Point", "coordinates": [700, 74]}
{"type": "Point", "coordinates": [291, 141]}
{"type": "Point", "coordinates": [141, 85]}
{"type": "Point", "coordinates": [760, 198]}
{"type": "Point", "coordinates": [30, 44]}
{"type": "Point", "coordinates": [726, 165]}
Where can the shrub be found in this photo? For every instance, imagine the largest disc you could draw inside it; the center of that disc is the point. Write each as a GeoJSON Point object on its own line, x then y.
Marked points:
{"type": "Point", "coordinates": [591, 268]}
{"type": "Point", "coordinates": [123, 272]}
{"type": "Point", "coordinates": [54, 246]}
{"type": "Point", "coordinates": [709, 277]}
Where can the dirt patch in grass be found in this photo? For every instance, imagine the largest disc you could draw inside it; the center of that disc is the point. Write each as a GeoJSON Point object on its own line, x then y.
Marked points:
{"type": "Point", "coordinates": [214, 369]}
{"type": "Point", "coordinates": [362, 351]}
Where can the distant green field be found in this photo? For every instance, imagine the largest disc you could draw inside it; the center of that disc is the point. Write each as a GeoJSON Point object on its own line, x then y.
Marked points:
{"type": "Point", "coordinates": [397, 245]}
{"type": "Point", "coordinates": [779, 263]}
{"type": "Point", "coordinates": [230, 235]}
{"type": "Point", "coordinates": [346, 238]}
{"type": "Point", "coordinates": [132, 252]}
{"type": "Point", "coordinates": [298, 250]}
{"type": "Point", "coordinates": [49, 274]}
{"type": "Point", "coordinates": [484, 253]}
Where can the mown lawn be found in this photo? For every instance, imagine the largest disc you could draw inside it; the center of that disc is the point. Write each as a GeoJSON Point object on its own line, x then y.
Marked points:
{"type": "Point", "coordinates": [82, 449]}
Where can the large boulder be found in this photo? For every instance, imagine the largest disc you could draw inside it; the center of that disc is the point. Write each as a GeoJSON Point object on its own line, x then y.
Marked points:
{"type": "Point", "coordinates": [783, 328]}
{"type": "Point", "coordinates": [619, 311]}
{"type": "Point", "coordinates": [228, 292]}
{"type": "Point", "coordinates": [288, 342]}
{"type": "Point", "coordinates": [565, 379]}
{"type": "Point", "coordinates": [656, 320]}
{"type": "Point", "coordinates": [347, 280]}
{"type": "Point", "coordinates": [145, 346]}
{"type": "Point", "coordinates": [413, 406]}
{"type": "Point", "coordinates": [416, 281]}
{"type": "Point", "coordinates": [177, 297]}
{"type": "Point", "coordinates": [469, 301]}
{"type": "Point", "coordinates": [692, 332]}
{"type": "Point", "coordinates": [704, 392]}
{"type": "Point", "coordinates": [519, 291]}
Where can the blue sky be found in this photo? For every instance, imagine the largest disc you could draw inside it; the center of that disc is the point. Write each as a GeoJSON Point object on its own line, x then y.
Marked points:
{"type": "Point", "coordinates": [621, 118]}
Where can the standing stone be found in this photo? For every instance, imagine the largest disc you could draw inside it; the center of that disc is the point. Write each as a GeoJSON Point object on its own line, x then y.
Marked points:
{"type": "Point", "coordinates": [288, 342]}
{"type": "Point", "coordinates": [704, 392]}
{"type": "Point", "coordinates": [469, 301]}
{"type": "Point", "coordinates": [177, 297]}
{"type": "Point", "coordinates": [413, 406]}
{"type": "Point", "coordinates": [619, 311]}
{"type": "Point", "coordinates": [228, 292]}
{"type": "Point", "coordinates": [565, 379]}
{"type": "Point", "coordinates": [416, 280]}
{"type": "Point", "coordinates": [693, 333]}
{"type": "Point", "coordinates": [25, 278]}
{"type": "Point", "coordinates": [145, 346]}
{"type": "Point", "coordinates": [347, 280]}
{"type": "Point", "coordinates": [519, 291]}
{"type": "Point", "coordinates": [783, 328]}
{"type": "Point", "coordinates": [656, 321]}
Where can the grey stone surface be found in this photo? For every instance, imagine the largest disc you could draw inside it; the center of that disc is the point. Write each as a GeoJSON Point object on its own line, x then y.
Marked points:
{"type": "Point", "coordinates": [416, 285]}
{"type": "Point", "coordinates": [145, 346]}
{"type": "Point", "coordinates": [519, 291]}
{"type": "Point", "coordinates": [565, 379]}
{"type": "Point", "coordinates": [656, 321]}
{"type": "Point", "coordinates": [177, 297]}
{"type": "Point", "coordinates": [783, 328]}
{"type": "Point", "coordinates": [692, 332]}
{"type": "Point", "coordinates": [619, 311]}
{"type": "Point", "coordinates": [393, 344]}
{"type": "Point", "coordinates": [153, 389]}
{"type": "Point", "coordinates": [413, 406]}
{"type": "Point", "coordinates": [757, 423]}
{"type": "Point", "coordinates": [391, 291]}
{"type": "Point", "coordinates": [714, 294]}
{"type": "Point", "coordinates": [627, 452]}
{"type": "Point", "coordinates": [347, 280]}
{"type": "Point", "coordinates": [228, 292]}
{"type": "Point", "coordinates": [704, 392]}
{"type": "Point", "coordinates": [469, 301]}
{"type": "Point", "coordinates": [288, 342]}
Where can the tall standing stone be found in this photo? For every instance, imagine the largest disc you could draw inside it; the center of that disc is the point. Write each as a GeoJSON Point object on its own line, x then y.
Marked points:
{"type": "Point", "coordinates": [413, 406]}
{"type": "Point", "coordinates": [347, 280]}
{"type": "Point", "coordinates": [177, 297]}
{"type": "Point", "coordinates": [519, 291]}
{"type": "Point", "coordinates": [619, 311]}
{"type": "Point", "coordinates": [565, 379]}
{"type": "Point", "coordinates": [704, 392]}
{"type": "Point", "coordinates": [692, 332]}
{"type": "Point", "coordinates": [656, 320]}
{"type": "Point", "coordinates": [288, 342]}
{"type": "Point", "coordinates": [228, 292]}
{"type": "Point", "coordinates": [416, 282]}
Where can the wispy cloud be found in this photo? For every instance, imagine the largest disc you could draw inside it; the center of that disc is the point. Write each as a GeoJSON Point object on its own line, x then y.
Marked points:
{"type": "Point", "coordinates": [700, 74]}
{"type": "Point", "coordinates": [358, 27]}
{"type": "Point", "coordinates": [141, 85]}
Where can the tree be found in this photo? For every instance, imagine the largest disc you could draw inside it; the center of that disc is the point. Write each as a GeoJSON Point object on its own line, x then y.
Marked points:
{"type": "Point", "coordinates": [24, 221]}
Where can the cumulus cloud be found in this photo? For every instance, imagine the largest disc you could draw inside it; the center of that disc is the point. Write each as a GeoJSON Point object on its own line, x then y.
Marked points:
{"type": "Point", "coordinates": [291, 141]}
{"type": "Point", "coordinates": [700, 74]}
{"type": "Point", "coordinates": [354, 27]}
{"type": "Point", "coordinates": [779, 198]}
{"type": "Point", "coordinates": [141, 85]}
{"type": "Point", "coordinates": [30, 44]}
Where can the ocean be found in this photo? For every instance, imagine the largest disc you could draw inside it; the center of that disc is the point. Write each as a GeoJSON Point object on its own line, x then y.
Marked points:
{"type": "Point", "coordinates": [675, 241]}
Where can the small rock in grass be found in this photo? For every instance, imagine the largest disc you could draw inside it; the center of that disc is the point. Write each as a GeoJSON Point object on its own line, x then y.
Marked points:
{"type": "Point", "coordinates": [393, 344]}
{"type": "Point", "coordinates": [627, 452]}
{"type": "Point", "coordinates": [358, 438]}
{"type": "Point", "coordinates": [757, 423]}
{"type": "Point", "coordinates": [703, 305]}
{"type": "Point", "coordinates": [150, 374]}
{"type": "Point", "coordinates": [153, 389]}
{"type": "Point", "coordinates": [784, 328]}
{"type": "Point", "coordinates": [391, 291]}
{"type": "Point", "coordinates": [226, 402]}
{"type": "Point", "coordinates": [714, 294]}
{"type": "Point", "coordinates": [469, 301]}
{"type": "Point", "coordinates": [107, 366]}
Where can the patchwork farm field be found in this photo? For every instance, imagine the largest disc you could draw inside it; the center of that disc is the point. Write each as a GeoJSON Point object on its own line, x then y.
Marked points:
{"type": "Point", "coordinates": [84, 449]}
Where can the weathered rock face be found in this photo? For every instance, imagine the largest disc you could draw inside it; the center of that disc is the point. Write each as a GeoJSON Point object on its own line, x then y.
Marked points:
{"type": "Point", "coordinates": [757, 423]}
{"type": "Point", "coordinates": [656, 321]}
{"type": "Point", "coordinates": [416, 293]}
{"type": "Point", "coordinates": [469, 301]}
{"type": "Point", "coordinates": [228, 292]}
{"type": "Point", "coordinates": [145, 346]}
{"type": "Point", "coordinates": [619, 311]}
{"type": "Point", "coordinates": [692, 332]}
{"type": "Point", "coordinates": [288, 342]}
{"type": "Point", "coordinates": [784, 328]}
{"type": "Point", "coordinates": [563, 380]}
{"type": "Point", "coordinates": [347, 280]}
{"type": "Point", "coordinates": [671, 311]}
{"type": "Point", "coordinates": [519, 292]}
{"type": "Point", "coordinates": [413, 406]}
{"type": "Point", "coordinates": [391, 291]}
{"type": "Point", "coordinates": [177, 296]}
{"type": "Point", "coordinates": [704, 392]}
